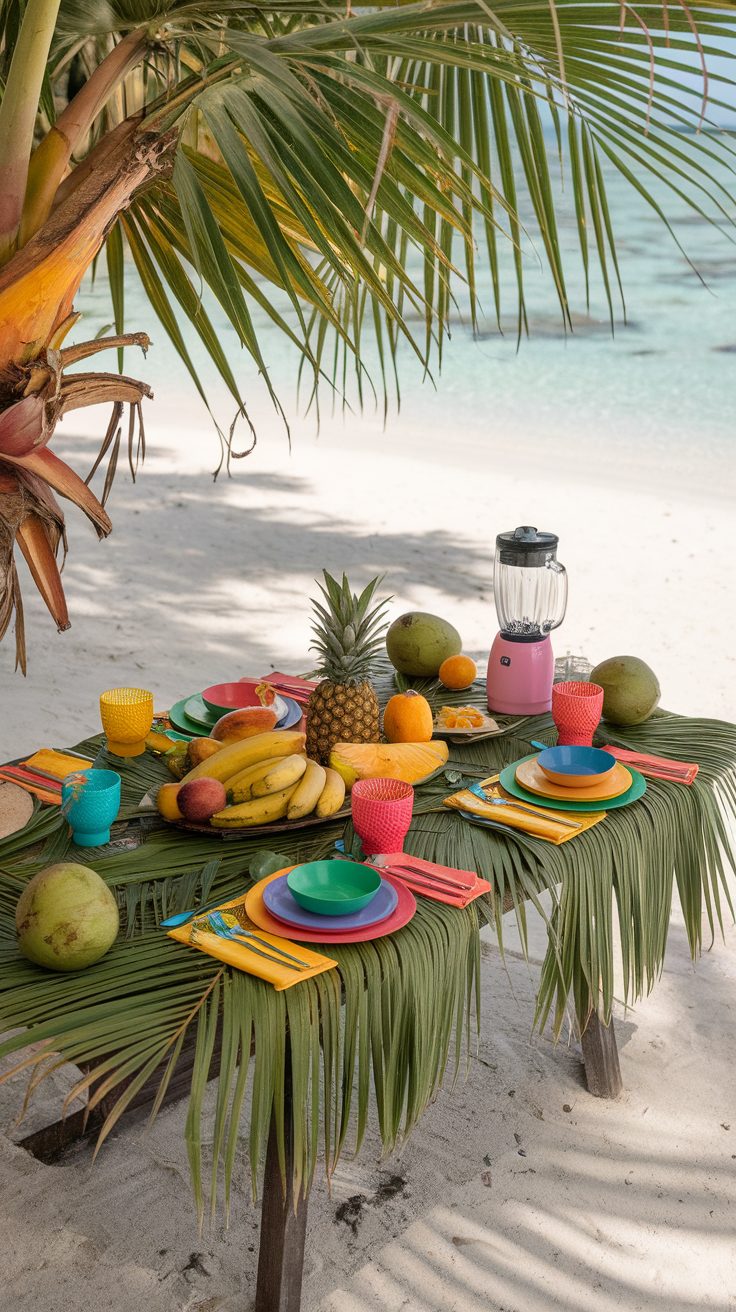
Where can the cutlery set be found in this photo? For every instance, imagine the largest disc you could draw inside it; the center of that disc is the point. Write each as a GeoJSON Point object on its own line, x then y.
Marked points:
{"type": "Point", "coordinates": [217, 922]}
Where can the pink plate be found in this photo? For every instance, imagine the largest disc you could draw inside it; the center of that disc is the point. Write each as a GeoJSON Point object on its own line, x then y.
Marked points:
{"type": "Point", "coordinates": [405, 908]}
{"type": "Point", "coordinates": [223, 697]}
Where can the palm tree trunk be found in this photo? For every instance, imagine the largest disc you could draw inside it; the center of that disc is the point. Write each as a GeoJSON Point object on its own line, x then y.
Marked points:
{"type": "Point", "coordinates": [18, 110]}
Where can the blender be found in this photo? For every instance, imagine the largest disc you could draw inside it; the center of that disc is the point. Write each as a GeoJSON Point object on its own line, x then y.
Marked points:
{"type": "Point", "coordinates": [530, 592]}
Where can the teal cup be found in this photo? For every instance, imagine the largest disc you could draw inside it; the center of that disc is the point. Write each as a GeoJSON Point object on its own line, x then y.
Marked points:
{"type": "Point", "coordinates": [90, 800]}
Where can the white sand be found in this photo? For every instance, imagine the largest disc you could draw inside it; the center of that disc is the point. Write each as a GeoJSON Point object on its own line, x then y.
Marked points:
{"type": "Point", "coordinates": [201, 582]}
{"type": "Point", "coordinates": [518, 1191]}
{"type": "Point", "coordinates": [612, 1206]}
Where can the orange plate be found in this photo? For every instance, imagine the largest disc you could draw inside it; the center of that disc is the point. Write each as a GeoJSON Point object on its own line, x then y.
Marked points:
{"type": "Point", "coordinates": [532, 777]}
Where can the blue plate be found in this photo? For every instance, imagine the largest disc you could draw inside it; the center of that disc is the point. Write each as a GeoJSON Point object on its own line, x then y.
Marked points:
{"type": "Point", "coordinates": [294, 713]}
{"type": "Point", "coordinates": [279, 901]}
{"type": "Point", "coordinates": [632, 794]}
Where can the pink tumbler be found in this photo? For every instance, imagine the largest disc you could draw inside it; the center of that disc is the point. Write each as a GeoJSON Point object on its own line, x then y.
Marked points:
{"type": "Point", "coordinates": [576, 710]}
{"type": "Point", "coordinates": [382, 811]}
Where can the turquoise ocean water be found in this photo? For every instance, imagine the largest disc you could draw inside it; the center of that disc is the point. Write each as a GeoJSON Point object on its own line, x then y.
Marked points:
{"type": "Point", "coordinates": [660, 389]}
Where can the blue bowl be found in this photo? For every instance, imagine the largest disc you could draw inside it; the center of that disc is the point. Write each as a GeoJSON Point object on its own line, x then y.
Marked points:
{"type": "Point", "coordinates": [333, 888]}
{"type": "Point", "coordinates": [576, 767]}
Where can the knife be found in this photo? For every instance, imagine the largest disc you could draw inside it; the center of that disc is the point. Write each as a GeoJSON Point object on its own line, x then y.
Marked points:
{"type": "Point", "coordinates": [413, 872]}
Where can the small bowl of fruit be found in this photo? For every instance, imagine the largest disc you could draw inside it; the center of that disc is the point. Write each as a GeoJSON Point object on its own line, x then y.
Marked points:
{"type": "Point", "coordinates": [463, 720]}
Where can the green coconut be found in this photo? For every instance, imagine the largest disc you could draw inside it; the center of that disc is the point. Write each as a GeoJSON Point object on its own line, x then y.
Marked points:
{"type": "Point", "coordinates": [630, 689]}
{"type": "Point", "coordinates": [418, 643]}
{"type": "Point", "coordinates": [66, 917]}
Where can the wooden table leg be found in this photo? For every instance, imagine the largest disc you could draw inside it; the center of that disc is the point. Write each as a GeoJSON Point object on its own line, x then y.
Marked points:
{"type": "Point", "coordinates": [600, 1055]}
{"type": "Point", "coordinates": [281, 1249]}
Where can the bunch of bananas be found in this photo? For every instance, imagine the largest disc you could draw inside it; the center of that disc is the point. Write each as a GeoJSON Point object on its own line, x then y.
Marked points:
{"type": "Point", "coordinates": [269, 777]}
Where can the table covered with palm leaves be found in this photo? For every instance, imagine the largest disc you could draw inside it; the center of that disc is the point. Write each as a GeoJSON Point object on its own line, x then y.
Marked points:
{"type": "Point", "coordinates": [309, 1065]}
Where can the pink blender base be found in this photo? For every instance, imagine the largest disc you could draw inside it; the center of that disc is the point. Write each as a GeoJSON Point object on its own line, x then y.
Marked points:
{"type": "Point", "coordinates": [520, 676]}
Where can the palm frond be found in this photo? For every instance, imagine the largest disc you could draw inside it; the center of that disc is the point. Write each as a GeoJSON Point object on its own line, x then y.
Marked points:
{"type": "Point", "coordinates": [385, 1024]}
{"type": "Point", "coordinates": [288, 107]}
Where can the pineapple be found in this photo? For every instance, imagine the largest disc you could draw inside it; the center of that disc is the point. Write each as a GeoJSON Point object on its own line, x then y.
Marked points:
{"type": "Point", "coordinates": [348, 630]}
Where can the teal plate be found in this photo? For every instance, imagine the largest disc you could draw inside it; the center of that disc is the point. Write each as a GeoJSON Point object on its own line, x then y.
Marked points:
{"type": "Point", "coordinates": [181, 721]}
{"type": "Point", "coordinates": [632, 794]}
{"type": "Point", "coordinates": [195, 710]}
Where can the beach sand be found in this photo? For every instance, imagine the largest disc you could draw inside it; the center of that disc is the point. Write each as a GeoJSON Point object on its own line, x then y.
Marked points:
{"type": "Point", "coordinates": [202, 582]}
{"type": "Point", "coordinates": [518, 1191]}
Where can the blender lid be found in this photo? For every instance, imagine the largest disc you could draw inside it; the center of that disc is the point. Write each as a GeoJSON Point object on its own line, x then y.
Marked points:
{"type": "Point", "coordinates": [526, 546]}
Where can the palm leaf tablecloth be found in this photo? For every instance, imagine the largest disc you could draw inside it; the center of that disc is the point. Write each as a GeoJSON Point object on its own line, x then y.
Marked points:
{"type": "Point", "coordinates": [398, 1008]}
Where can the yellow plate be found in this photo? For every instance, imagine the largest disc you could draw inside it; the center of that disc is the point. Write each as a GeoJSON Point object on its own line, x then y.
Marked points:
{"type": "Point", "coordinates": [532, 777]}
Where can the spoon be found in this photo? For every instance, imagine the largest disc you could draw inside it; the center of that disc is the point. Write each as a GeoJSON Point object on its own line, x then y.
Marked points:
{"type": "Point", "coordinates": [181, 917]}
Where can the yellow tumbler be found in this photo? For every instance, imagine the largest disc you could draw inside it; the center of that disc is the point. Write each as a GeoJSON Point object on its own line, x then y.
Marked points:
{"type": "Point", "coordinates": [127, 716]}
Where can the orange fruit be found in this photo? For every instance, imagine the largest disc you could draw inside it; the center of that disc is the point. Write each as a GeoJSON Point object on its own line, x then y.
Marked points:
{"type": "Point", "coordinates": [458, 672]}
{"type": "Point", "coordinates": [167, 802]}
{"type": "Point", "coordinates": [408, 718]}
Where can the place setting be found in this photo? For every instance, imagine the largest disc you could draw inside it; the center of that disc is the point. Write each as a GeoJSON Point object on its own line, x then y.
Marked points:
{"type": "Point", "coordinates": [557, 792]}
{"type": "Point", "coordinates": [334, 901]}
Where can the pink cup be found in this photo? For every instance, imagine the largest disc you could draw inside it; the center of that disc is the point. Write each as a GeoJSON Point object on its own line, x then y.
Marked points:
{"type": "Point", "coordinates": [382, 810]}
{"type": "Point", "coordinates": [576, 710]}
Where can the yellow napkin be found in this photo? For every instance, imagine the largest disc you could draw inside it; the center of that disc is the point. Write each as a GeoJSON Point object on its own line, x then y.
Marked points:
{"type": "Point", "coordinates": [56, 763]}
{"type": "Point", "coordinates": [243, 958]}
{"type": "Point", "coordinates": [539, 822]}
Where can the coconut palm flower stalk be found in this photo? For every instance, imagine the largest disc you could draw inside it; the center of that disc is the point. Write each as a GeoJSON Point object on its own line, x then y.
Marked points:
{"type": "Point", "coordinates": [350, 165]}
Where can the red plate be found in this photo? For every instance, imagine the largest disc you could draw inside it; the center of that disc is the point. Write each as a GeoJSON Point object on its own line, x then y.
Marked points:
{"type": "Point", "coordinates": [255, 909]}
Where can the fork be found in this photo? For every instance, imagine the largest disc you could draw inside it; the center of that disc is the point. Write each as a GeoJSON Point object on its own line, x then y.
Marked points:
{"type": "Point", "coordinates": [528, 810]}
{"type": "Point", "coordinates": [221, 927]}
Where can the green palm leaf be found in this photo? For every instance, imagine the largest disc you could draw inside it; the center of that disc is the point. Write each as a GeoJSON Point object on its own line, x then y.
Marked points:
{"type": "Point", "coordinates": [382, 1029]}
{"type": "Point", "coordinates": [355, 163]}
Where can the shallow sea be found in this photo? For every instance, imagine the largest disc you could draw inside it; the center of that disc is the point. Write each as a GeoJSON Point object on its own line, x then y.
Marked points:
{"type": "Point", "coordinates": [656, 394]}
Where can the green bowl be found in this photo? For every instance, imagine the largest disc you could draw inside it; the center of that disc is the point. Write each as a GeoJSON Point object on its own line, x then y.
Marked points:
{"type": "Point", "coordinates": [333, 888]}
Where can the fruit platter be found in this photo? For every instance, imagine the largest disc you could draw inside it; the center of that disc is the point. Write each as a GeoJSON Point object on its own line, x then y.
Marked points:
{"type": "Point", "coordinates": [250, 783]}
{"type": "Point", "coordinates": [267, 781]}
{"type": "Point", "coordinates": [251, 768]}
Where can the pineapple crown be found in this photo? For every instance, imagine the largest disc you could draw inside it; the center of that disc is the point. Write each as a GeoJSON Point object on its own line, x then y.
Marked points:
{"type": "Point", "coordinates": [348, 630]}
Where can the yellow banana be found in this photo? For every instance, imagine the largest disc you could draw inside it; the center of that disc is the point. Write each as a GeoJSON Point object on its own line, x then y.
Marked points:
{"type": "Point", "coordinates": [308, 791]}
{"type": "Point", "coordinates": [259, 811]}
{"type": "Point", "coordinates": [289, 770]}
{"type": "Point", "coordinates": [332, 795]}
{"type": "Point", "coordinates": [240, 787]}
{"type": "Point", "coordinates": [236, 757]}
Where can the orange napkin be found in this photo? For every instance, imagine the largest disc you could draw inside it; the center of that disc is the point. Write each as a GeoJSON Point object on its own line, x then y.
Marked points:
{"type": "Point", "coordinates": [44, 789]}
{"type": "Point", "coordinates": [56, 763]}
